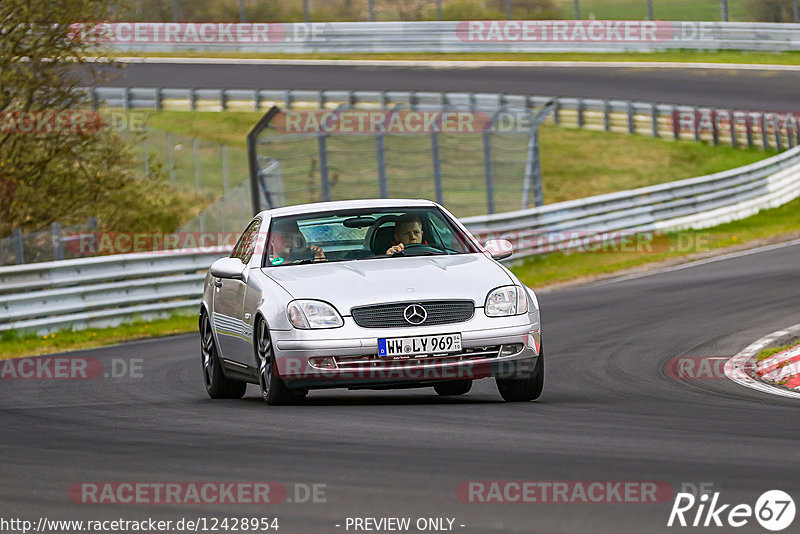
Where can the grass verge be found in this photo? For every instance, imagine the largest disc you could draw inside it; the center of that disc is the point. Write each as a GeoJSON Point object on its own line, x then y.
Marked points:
{"type": "Point", "coordinates": [771, 351]}
{"type": "Point", "coordinates": [672, 56]}
{"type": "Point", "coordinates": [17, 345]}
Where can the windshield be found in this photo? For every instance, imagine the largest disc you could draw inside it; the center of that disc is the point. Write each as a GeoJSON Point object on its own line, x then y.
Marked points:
{"type": "Point", "coordinates": [363, 234]}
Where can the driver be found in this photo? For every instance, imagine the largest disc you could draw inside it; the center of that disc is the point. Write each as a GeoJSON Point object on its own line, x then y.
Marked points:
{"type": "Point", "coordinates": [407, 231]}
{"type": "Point", "coordinates": [288, 244]}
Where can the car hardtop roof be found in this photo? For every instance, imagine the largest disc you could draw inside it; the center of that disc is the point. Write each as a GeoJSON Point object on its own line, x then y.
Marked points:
{"type": "Point", "coordinates": [321, 207]}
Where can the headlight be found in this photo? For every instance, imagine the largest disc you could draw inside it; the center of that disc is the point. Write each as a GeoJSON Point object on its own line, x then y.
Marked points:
{"type": "Point", "coordinates": [505, 301]}
{"type": "Point", "coordinates": [308, 314]}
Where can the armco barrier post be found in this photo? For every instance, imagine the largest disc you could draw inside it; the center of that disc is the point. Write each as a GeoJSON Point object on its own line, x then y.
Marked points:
{"type": "Point", "coordinates": [16, 239]}
{"type": "Point", "coordinates": [437, 167]}
{"type": "Point", "coordinates": [55, 231]}
{"type": "Point", "coordinates": [322, 144]}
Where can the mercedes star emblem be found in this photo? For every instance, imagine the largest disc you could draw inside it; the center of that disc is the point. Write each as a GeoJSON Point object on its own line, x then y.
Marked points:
{"type": "Point", "coordinates": [415, 314]}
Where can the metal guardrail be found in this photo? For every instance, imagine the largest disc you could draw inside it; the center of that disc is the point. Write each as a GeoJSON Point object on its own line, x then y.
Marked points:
{"type": "Point", "coordinates": [102, 291]}
{"type": "Point", "coordinates": [452, 36]}
{"type": "Point", "coordinates": [765, 130]}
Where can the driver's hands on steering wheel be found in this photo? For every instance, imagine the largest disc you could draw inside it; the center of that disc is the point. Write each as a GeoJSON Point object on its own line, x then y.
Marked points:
{"type": "Point", "coordinates": [395, 249]}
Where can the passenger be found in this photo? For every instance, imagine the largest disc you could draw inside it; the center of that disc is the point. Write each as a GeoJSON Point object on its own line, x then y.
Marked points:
{"type": "Point", "coordinates": [288, 244]}
{"type": "Point", "coordinates": [407, 231]}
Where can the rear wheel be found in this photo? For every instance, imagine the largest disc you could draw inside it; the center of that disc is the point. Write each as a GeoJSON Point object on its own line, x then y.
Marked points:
{"type": "Point", "coordinates": [456, 387]}
{"type": "Point", "coordinates": [273, 390]}
{"type": "Point", "coordinates": [523, 389]}
{"type": "Point", "coordinates": [217, 386]}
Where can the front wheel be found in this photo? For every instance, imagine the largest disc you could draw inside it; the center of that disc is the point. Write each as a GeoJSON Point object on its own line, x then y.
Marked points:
{"type": "Point", "coordinates": [523, 389]}
{"type": "Point", "coordinates": [273, 390]}
{"type": "Point", "coordinates": [217, 386]}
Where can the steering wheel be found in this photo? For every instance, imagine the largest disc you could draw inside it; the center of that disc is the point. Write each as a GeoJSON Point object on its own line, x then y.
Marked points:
{"type": "Point", "coordinates": [420, 247]}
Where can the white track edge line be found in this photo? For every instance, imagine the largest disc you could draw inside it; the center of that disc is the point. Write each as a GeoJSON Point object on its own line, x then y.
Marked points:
{"type": "Point", "coordinates": [697, 263]}
{"type": "Point", "coordinates": [735, 367]}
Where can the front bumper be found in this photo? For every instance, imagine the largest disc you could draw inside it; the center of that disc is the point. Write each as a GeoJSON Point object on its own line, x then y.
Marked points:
{"type": "Point", "coordinates": [336, 358]}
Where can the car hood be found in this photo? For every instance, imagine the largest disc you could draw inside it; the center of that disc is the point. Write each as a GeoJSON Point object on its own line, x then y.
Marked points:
{"type": "Point", "coordinates": [373, 281]}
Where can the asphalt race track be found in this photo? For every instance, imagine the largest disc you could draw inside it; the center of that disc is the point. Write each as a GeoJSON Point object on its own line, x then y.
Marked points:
{"type": "Point", "coordinates": [731, 89]}
{"type": "Point", "coordinates": [608, 413]}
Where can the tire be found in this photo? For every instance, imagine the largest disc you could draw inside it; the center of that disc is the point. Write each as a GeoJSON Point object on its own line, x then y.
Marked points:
{"type": "Point", "coordinates": [217, 386]}
{"type": "Point", "coordinates": [273, 389]}
{"type": "Point", "coordinates": [523, 389]}
{"type": "Point", "coordinates": [456, 387]}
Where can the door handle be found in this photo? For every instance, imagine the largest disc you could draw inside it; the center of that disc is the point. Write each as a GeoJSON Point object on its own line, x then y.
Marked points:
{"type": "Point", "coordinates": [218, 282]}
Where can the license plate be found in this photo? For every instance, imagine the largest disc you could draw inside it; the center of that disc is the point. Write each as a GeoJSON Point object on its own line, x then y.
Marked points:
{"type": "Point", "coordinates": [411, 346]}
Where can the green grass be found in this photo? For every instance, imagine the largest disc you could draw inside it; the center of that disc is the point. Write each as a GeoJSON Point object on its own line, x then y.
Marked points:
{"type": "Point", "coordinates": [662, 10]}
{"type": "Point", "coordinates": [575, 162]}
{"type": "Point", "coordinates": [551, 268]}
{"type": "Point", "coordinates": [771, 351]}
{"type": "Point", "coordinates": [18, 345]}
{"type": "Point", "coordinates": [680, 56]}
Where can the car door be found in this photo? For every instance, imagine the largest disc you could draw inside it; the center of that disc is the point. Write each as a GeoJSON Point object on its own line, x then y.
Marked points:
{"type": "Point", "coordinates": [232, 322]}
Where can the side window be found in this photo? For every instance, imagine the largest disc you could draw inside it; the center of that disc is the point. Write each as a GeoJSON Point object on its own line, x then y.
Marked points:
{"type": "Point", "coordinates": [246, 246]}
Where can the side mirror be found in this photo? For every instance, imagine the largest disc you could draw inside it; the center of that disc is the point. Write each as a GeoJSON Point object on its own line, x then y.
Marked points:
{"type": "Point", "coordinates": [228, 268]}
{"type": "Point", "coordinates": [500, 249]}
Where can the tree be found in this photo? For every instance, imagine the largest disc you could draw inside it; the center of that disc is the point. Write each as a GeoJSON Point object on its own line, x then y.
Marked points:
{"type": "Point", "coordinates": [56, 162]}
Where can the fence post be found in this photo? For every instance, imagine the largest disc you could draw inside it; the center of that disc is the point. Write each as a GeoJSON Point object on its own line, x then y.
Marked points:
{"type": "Point", "coordinates": [126, 98]}
{"type": "Point", "coordinates": [714, 129]}
{"type": "Point", "coordinates": [223, 99]}
{"type": "Point", "coordinates": [654, 119]}
{"type": "Point", "coordinates": [749, 130]}
{"type": "Point", "coordinates": [580, 113]}
{"type": "Point", "coordinates": [734, 140]}
{"type": "Point", "coordinates": [557, 112]}
{"type": "Point", "coordinates": [631, 122]}
{"type": "Point", "coordinates": [606, 116]}
{"type": "Point", "coordinates": [55, 232]}
{"type": "Point", "coordinates": [257, 99]}
{"type": "Point", "coordinates": [696, 124]}
{"type": "Point", "coordinates": [322, 143]}
{"type": "Point", "coordinates": [171, 158]}
{"type": "Point", "coordinates": [225, 170]}
{"type": "Point", "coordinates": [437, 168]}
{"type": "Point", "coordinates": [438, 9]}
{"type": "Point", "coordinates": [159, 99]}
{"type": "Point", "coordinates": [371, 4]}
{"type": "Point", "coordinates": [487, 161]}
{"type": "Point", "coordinates": [384, 189]}
{"type": "Point", "coordinates": [146, 156]}
{"type": "Point", "coordinates": [724, 9]}
{"type": "Point", "coordinates": [764, 136]}
{"type": "Point", "coordinates": [650, 12]}
{"type": "Point", "coordinates": [196, 159]}
{"type": "Point", "coordinates": [193, 99]}
{"type": "Point", "coordinates": [577, 9]}
{"type": "Point", "coordinates": [16, 239]}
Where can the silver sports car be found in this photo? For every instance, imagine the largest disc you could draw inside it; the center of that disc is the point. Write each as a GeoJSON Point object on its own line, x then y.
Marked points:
{"type": "Point", "coordinates": [377, 294]}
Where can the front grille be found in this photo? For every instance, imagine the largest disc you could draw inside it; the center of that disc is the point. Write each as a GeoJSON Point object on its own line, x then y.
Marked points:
{"type": "Point", "coordinates": [391, 315]}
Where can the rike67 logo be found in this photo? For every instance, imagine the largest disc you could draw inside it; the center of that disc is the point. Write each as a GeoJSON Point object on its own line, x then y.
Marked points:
{"type": "Point", "coordinates": [774, 510]}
